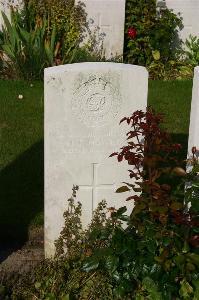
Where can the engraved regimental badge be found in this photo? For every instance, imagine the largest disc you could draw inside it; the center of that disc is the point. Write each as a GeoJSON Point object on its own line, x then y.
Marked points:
{"type": "Point", "coordinates": [96, 101]}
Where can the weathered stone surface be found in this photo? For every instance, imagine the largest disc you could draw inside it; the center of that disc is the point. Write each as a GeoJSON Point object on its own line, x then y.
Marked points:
{"type": "Point", "coordinates": [109, 16]}
{"type": "Point", "coordinates": [194, 115]}
{"type": "Point", "coordinates": [83, 106]}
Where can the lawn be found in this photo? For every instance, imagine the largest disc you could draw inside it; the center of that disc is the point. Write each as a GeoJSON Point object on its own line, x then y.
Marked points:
{"type": "Point", "coordinates": [173, 98]}
{"type": "Point", "coordinates": [21, 147]}
{"type": "Point", "coordinates": [21, 157]}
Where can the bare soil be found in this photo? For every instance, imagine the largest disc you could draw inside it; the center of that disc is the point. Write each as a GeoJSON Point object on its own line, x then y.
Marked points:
{"type": "Point", "coordinates": [22, 261]}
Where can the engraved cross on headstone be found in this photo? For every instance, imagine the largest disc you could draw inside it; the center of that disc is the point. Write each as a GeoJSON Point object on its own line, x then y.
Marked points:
{"type": "Point", "coordinates": [95, 186]}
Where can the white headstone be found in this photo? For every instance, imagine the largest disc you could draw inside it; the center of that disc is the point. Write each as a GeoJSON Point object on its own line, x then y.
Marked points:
{"type": "Point", "coordinates": [189, 10]}
{"type": "Point", "coordinates": [194, 116]}
{"type": "Point", "coordinates": [109, 16]}
{"type": "Point", "coordinates": [83, 106]}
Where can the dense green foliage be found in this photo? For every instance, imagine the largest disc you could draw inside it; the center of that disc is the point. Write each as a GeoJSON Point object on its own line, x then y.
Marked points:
{"type": "Point", "coordinates": [50, 32]}
{"type": "Point", "coordinates": [156, 33]}
{"type": "Point", "coordinates": [161, 241]}
{"type": "Point", "coordinates": [152, 40]}
{"type": "Point", "coordinates": [28, 52]}
{"type": "Point", "coordinates": [181, 68]}
{"type": "Point", "coordinates": [192, 51]}
{"type": "Point", "coordinates": [44, 34]}
{"type": "Point", "coordinates": [69, 19]}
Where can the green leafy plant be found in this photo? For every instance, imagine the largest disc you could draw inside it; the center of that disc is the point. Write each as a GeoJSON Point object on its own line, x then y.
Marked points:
{"type": "Point", "coordinates": [190, 56]}
{"type": "Point", "coordinates": [44, 34]}
{"type": "Point", "coordinates": [28, 52]}
{"type": "Point", "coordinates": [172, 70]}
{"type": "Point", "coordinates": [188, 60]}
{"type": "Point", "coordinates": [151, 36]}
{"type": "Point", "coordinates": [159, 248]}
{"type": "Point", "coordinates": [68, 18]}
{"type": "Point", "coordinates": [192, 51]}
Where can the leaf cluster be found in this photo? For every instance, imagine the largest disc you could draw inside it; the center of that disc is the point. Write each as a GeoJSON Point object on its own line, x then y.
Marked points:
{"type": "Point", "coordinates": [156, 43]}
{"type": "Point", "coordinates": [180, 68]}
{"type": "Point", "coordinates": [28, 52]}
{"type": "Point", "coordinates": [157, 255]}
{"type": "Point", "coordinates": [68, 18]}
{"type": "Point", "coordinates": [192, 51]}
{"type": "Point", "coordinates": [44, 34]}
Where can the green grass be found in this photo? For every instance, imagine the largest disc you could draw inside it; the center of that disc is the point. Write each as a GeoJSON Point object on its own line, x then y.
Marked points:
{"type": "Point", "coordinates": [173, 99]}
{"type": "Point", "coordinates": [21, 157]}
{"type": "Point", "coordinates": [21, 146]}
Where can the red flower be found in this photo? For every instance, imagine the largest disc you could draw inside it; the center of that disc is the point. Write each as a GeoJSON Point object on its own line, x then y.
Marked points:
{"type": "Point", "coordinates": [132, 32]}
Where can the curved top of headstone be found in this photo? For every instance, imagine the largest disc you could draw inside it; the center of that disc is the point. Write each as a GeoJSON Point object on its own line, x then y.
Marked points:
{"type": "Point", "coordinates": [93, 65]}
{"type": "Point", "coordinates": [97, 89]}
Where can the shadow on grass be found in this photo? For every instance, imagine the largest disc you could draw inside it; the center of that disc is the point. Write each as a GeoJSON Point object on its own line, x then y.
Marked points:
{"type": "Point", "coordinates": [21, 195]}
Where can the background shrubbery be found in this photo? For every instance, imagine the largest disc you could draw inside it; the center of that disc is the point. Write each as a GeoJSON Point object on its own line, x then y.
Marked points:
{"type": "Point", "coordinates": [47, 33]}
{"type": "Point", "coordinates": [156, 33]}
{"type": "Point", "coordinates": [151, 40]}
{"type": "Point", "coordinates": [44, 34]}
